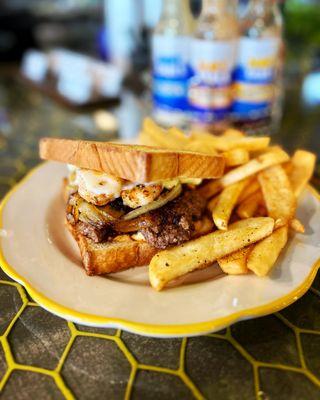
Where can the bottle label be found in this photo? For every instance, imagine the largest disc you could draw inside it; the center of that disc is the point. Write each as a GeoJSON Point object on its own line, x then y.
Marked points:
{"type": "Point", "coordinates": [210, 89]}
{"type": "Point", "coordinates": [254, 77]}
{"type": "Point", "coordinates": [170, 72]}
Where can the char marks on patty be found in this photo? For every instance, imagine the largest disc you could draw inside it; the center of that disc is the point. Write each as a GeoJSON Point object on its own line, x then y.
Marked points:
{"type": "Point", "coordinates": [169, 225]}
{"type": "Point", "coordinates": [173, 223]}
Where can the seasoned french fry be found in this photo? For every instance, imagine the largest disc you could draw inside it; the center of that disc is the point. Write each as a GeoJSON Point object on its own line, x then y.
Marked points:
{"type": "Point", "coordinates": [152, 134]}
{"type": "Point", "coordinates": [297, 226]}
{"type": "Point", "coordinates": [278, 194]}
{"type": "Point", "coordinates": [233, 133]}
{"type": "Point", "coordinates": [211, 188]}
{"type": "Point", "coordinates": [200, 147]}
{"type": "Point", "coordinates": [253, 166]}
{"type": "Point", "coordinates": [172, 263]}
{"type": "Point", "coordinates": [235, 263]}
{"type": "Point", "coordinates": [223, 143]}
{"type": "Point", "coordinates": [252, 187]}
{"type": "Point", "coordinates": [287, 167]}
{"type": "Point", "coordinates": [236, 157]}
{"type": "Point", "coordinates": [303, 163]}
{"type": "Point", "coordinates": [265, 253]}
{"type": "Point", "coordinates": [146, 139]}
{"type": "Point", "coordinates": [250, 205]}
{"type": "Point", "coordinates": [244, 171]}
{"type": "Point", "coordinates": [226, 203]}
{"type": "Point", "coordinates": [212, 203]}
{"type": "Point", "coordinates": [261, 211]}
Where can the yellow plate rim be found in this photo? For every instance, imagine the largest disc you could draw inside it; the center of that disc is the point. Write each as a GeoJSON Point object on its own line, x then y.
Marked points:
{"type": "Point", "coordinates": [151, 329]}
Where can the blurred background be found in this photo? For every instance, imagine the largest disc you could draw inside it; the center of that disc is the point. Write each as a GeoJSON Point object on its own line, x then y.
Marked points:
{"type": "Point", "coordinates": [91, 60]}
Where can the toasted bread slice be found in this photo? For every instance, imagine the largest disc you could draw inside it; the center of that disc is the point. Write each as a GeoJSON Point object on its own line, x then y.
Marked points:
{"type": "Point", "coordinates": [122, 252]}
{"type": "Point", "coordinates": [132, 162]}
{"type": "Point", "coordinates": [117, 255]}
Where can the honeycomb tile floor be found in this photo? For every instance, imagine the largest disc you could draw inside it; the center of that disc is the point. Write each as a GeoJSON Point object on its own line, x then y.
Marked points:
{"type": "Point", "coordinates": [45, 357]}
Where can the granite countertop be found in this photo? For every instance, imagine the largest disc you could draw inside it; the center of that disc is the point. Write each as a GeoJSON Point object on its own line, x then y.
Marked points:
{"type": "Point", "coordinates": [45, 357]}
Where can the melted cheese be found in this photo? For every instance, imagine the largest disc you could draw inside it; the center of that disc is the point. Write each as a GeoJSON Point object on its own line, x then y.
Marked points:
{"type": "Point", "coordinates": [99, 183]}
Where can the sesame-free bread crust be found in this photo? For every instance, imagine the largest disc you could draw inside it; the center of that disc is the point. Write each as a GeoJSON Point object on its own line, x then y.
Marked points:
{"type": "Point", "coordinates": [113, 256]}
{"type": "Point", "coordinates": [135, 163]}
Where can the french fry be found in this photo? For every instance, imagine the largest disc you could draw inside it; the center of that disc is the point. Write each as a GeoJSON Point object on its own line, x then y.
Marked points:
{"type": "Point", "coordinates": [303, 163]}
{"type": "Point", "coordinates": [145, 139]}
{"type": "Point", "coordinates": [252, 187]}
{"type": "Point", "coordinates": [235, 263]}
{"type": "Point", "coordinates": [172, 263]}
{"type": "Point", "coordinates": [154, 135]}
{"type": "Point", "coordinates": [287, 167]}
{"type": "Point", "coordinates": [249, 206]}
{"type": "Point", "coordinates": [269, 149]}
{"type": "Point", "coordinates": [261, 211]}
{"type": "Point", "coordinates": [297, 226]}
{"type": "Point", "coordinates": [223, 143]}
{"type": "Point", "coordinates": [236, 157]}
{"type": "Point", "coordinates": [265, 253]}
{"type": "Point", "coordinates": [253, 166]}
{"type": "Point", "coordinates": [226, 203]}
{"type": "Point", "coordinates": [277, 194]}
{"type": "Point", "coordinates": [212, 203]}
{"type": "Point", "coordinates": [233, 133]}
{"type": "Point", "coordinates": [200, 147]}
{"type": "Point", "coordinates": [211, 188]}
{"type": "Point", "coordinates": [244, 171]}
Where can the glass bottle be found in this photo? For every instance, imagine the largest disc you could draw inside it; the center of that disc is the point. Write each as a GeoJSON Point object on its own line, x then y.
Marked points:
{"type": "Point", "coordinates": [170, 62]}
{"type": "Point", "coordinates": [212, 61]}
{"type": "Point", "coordinates": [258, 77]}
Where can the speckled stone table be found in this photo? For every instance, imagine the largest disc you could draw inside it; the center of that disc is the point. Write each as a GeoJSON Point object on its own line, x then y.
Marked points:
{"type": "Point", "coordinates": [45, 357]}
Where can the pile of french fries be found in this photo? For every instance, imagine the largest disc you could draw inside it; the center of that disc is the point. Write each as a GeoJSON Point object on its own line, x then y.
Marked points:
{"type": "Point", "coordinates": [252, 206]}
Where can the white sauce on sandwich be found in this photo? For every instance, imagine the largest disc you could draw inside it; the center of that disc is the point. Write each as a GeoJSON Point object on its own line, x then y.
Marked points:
{"type": "Point", "coordinates": [101, 183]}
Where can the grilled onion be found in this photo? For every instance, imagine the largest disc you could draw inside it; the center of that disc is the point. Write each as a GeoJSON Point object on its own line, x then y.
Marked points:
{"type": "Point", "coordinates": [160, 202]}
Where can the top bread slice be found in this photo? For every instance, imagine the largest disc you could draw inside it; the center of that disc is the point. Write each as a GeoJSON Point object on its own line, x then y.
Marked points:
{"type": "Point", "coordinates": [135, 163]}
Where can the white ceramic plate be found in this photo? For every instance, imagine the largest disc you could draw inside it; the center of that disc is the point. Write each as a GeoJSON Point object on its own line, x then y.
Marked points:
{"type": "Point", "coordinates": [38, 252]}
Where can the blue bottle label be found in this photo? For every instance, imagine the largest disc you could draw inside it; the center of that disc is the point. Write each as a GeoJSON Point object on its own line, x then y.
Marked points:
{"type": "Point", "coordinates": [210, 86]}
{"type": "Point", "coordinates": [254, 77]}
{"type": "Point", "coordinates": [170, 72]}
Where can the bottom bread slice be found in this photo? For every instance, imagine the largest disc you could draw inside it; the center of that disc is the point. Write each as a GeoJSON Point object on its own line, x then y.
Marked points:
{"type": "Point", "coordinates": [117, 255]}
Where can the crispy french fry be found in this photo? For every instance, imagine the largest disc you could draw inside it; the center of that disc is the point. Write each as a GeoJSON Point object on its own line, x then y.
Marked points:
{"type": "Point", "coordinates": [269, 149]}
{"type": "Point", "coordinates": [265, 253]}
{"type": "Point", "coordinates": [252, 187]}
{"type": "Point", "coordinates": [172, 263]}
{"type": "Point", "coordinates": [236, 157]}
{"type": "Point", "coordinates": [250, 205]}
{"type": "Point", "coordinates": [200, 147]}
{"type": "Point", "coordinates": [303, 163]}
{"type": "Point", "coordinates": [261, 211]}
{"type": "Point", "coordinates": [228, 143]}
{"type": "Point", "coordinates": [238, 174]}
{"type": "Point", "coordinates": [277, 194]}
{"type": "Point", "coordinates": [235, 263]}
{"type": "Point", "coordinates": [233, 133]}
{"type": "Point", "coordinates": [287, 167]}
{"type": "Point", "coordinates": [226, 203]}
{"type": "Point", "coordinates": [211, 188]}
{"type": "Point", "coordinates": [146, 139]}
{"type": "Point", "coordinates": [155, 135]}
{"type": "Point", "coordinates": [297, 226]}
{"type": "Point", "coordinates": [212, 203]}
{"type": "Point", "coordinates": [253, 166]}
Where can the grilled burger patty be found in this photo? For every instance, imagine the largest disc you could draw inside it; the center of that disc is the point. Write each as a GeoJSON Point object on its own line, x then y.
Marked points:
{"type": "Point", "coordinates": [171, 224]}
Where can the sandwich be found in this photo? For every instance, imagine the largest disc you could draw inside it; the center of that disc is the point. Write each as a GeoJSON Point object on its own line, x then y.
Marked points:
{"type": "Point", "coordinates": [125, 203]}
